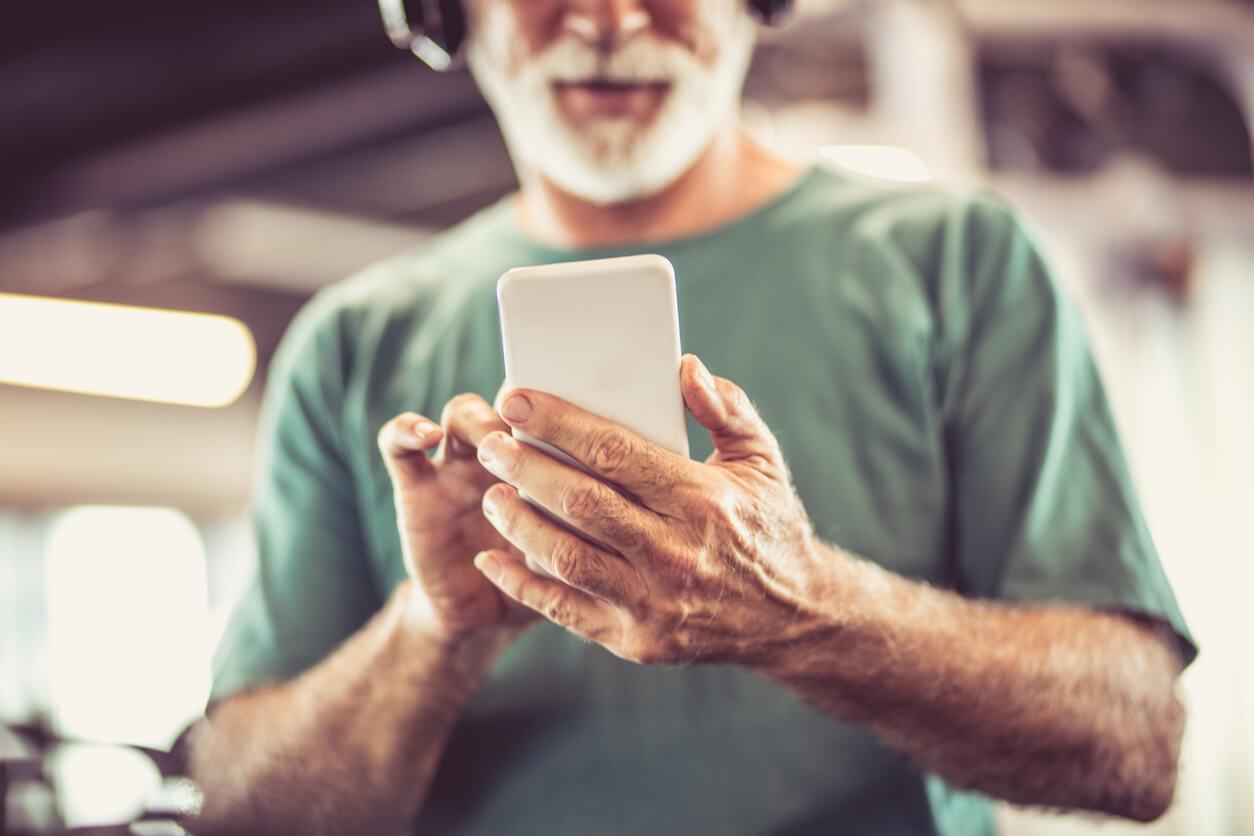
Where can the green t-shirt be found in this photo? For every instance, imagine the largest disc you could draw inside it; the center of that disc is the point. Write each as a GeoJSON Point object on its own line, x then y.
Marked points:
{"type": "Point", "coordinates": [933, 392]}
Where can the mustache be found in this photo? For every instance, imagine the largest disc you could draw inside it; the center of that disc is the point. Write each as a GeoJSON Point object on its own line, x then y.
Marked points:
{"type": "Point", "coordinates": [640, 61]}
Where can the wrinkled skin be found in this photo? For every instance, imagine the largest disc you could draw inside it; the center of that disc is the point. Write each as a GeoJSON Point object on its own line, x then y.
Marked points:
{"type": "Point", "coordinates": [708, 561]}
{"type": "Point", "coordinates": [440, 519]}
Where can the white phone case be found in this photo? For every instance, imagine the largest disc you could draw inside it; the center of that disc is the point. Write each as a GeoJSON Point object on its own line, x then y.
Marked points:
{"type": "Point", "coordinates": [603, 335]}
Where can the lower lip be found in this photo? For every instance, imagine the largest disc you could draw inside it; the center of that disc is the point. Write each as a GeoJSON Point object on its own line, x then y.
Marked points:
{"type": "Point", "coordinates": [611, 100]}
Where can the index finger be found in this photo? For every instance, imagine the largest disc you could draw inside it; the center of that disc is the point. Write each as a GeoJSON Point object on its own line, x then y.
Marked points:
{"type": "Point", "coordinates": [608, 450]}
{"type": "Point", "coordinates": [466, 419]}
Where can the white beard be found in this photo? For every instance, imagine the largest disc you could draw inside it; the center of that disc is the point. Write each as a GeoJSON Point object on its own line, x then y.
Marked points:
{"type": "Point", "coordinates": [611, 159]}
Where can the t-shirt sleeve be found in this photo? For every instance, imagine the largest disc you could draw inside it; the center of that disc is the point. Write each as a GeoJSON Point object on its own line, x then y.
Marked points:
{"type": "Point", "coordinates": [1045, 508]}
{"type": "Point", "coordinates": [311, 589]}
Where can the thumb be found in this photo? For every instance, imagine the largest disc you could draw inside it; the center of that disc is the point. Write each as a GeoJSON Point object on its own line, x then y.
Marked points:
{"type": "Point", "coordinates": [723, 408]}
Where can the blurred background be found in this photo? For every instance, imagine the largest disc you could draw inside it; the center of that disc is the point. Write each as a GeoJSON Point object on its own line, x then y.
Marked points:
{"type": "Point", "coordinates": [229, 159]}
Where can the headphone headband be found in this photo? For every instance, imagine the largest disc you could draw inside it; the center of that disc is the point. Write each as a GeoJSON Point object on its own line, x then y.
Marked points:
{"type": "Point", "coordinates": [434, 29]}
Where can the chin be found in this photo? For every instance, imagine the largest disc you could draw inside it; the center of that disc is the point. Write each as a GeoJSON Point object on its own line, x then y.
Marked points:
{"type": "Point", "coordinates": [619, 160]}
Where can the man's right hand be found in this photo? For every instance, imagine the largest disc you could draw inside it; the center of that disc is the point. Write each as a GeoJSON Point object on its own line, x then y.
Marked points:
{"type": "Point", "coordinates": [439, 515]}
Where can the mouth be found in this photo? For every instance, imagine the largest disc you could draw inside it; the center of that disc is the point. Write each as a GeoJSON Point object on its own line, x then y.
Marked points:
{"type": "Point", "coordinates": [610, 97]}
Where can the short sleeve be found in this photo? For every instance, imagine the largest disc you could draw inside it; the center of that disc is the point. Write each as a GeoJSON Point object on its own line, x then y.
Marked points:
{"type": "Point", "coordinates": [312, 588]}
{"type": "Point", "coordinates": [1044, 504]}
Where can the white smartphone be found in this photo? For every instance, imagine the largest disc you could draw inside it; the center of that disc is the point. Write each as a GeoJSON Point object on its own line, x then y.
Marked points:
{"type": "Point", "coordinates": [603, 335]}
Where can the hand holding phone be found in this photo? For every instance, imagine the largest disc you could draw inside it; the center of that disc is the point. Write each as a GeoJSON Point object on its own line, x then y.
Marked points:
{"type": "Point", "coordinates": [603, 335]}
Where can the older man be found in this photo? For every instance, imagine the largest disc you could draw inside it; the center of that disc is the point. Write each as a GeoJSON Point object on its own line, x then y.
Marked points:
{"type": "Point", "coordinates": [913, 576]}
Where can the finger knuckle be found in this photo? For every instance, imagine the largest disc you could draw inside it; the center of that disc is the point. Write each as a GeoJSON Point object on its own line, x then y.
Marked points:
{"type": "Point", "coordinates": [595, 576]}
{"type": "Point", "coordinates": [611, 450]}
{"type": "Point", "coordinates": [580, 501]}
{"type": "Point", "coordinates": [559, 611]}
{"type": "Point", "coordinates": [565, 559]}
{"type": "Point", "coordinates": [457, 405]}
{"type": "Point", "coordinates": [511, 459]}
{"type": "Point", "coordinates": [625, 531]}
{"type": "Point", "coordinates": [660, 474]}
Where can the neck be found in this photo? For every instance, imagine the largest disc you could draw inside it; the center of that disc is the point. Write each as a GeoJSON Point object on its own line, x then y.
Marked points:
{"type": "Point", "coordinates": [731, 178]}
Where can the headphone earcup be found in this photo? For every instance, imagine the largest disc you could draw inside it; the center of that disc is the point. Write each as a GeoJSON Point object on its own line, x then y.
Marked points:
{"type": "Point", "coordinates": [453, 30]}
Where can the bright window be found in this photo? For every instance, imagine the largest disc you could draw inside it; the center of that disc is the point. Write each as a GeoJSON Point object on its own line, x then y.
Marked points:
{"type": "Point", "coordinates": [128, 624]}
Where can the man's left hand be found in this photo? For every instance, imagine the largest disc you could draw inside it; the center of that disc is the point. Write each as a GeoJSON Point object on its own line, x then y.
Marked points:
{"type": "Point", "coordinates": [713, 561]}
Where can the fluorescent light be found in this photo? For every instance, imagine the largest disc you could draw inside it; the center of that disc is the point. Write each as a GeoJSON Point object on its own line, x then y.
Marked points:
{"type": "Point", "coordinates": [125, 352]}
{"type": "Point", "coordinates": [885, 162]}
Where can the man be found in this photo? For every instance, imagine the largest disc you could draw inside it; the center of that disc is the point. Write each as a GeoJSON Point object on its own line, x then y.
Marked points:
{"type": "Point", "coordinates": [797, 634]}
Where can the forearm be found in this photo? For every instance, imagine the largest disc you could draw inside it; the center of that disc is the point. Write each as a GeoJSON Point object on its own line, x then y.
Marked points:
{"type": "Point", "coordinates": [1037, 705]}
{"type": "Point", "coordinates": [349, 746]}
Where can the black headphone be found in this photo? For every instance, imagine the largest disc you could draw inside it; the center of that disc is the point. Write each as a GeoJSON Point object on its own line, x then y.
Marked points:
{"type": "Point", "coordinates": [434, 29]}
